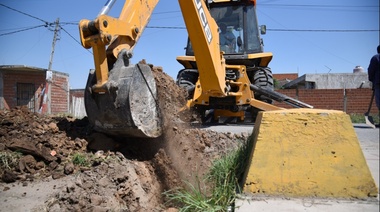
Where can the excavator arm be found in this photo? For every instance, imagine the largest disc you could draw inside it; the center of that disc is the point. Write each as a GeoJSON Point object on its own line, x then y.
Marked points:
{"type": "Point", "coordinates": [121, 98]}
{"type": "Point", "coordinates": [203, 33]}
{"type": "Point", "coordinates": [120, 35]}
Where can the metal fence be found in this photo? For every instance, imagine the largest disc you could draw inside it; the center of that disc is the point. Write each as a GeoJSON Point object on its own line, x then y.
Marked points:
{"type": "Point", "coordinates": [77, 108]}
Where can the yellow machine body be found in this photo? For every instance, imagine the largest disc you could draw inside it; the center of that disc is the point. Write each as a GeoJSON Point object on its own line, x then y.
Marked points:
{"type": "Point", "coordinates": [300, 152]}
{"type": "Point", "coordinates": [209, 64]}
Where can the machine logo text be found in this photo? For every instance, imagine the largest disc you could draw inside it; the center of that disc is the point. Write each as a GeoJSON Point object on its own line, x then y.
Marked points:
{"type": "Point", "coordinates": [202, 16]}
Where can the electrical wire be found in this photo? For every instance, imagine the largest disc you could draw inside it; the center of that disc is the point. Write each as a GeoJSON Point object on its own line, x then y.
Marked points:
{"type": "Point", "coordinates": [164, 27]}
{"type": "Point", "coordinates": [22, 30]}
{"type": "Point", "coordinates": [14, 29]}
{"type": "Point", "coordinates": [69, 23]}
{"type": "Point", "coordinates": [165, 12]}
{"type": "Point", "coordinates": [316, 5]}
{"type": "Point", "coordinates": [74, 38]}
{"type": "Point", "coordinates": [324, 30]}
{"type": "Point", "coordinates": [347, 8]}
{"type": "Point", "coordinates": [287, 30]}
{"type": "Point", "coordinates": [306, 39]}
{"type": "Point", "coordinates": [171, 27]}
{"type": "Point", "coordinates": [46, 22]}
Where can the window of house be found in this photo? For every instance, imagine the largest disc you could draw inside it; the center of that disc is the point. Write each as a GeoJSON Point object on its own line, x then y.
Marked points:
{"type": "Point", "coordinates": [25, 95]}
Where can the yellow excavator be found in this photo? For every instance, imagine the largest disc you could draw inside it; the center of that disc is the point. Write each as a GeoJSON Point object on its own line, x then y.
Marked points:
{"type": "Point", "coordinates": [235, 63]}
{"type": "Point", "coordinates": [224, 76]}
{"type": "Point", "coordinates": [295, 152]}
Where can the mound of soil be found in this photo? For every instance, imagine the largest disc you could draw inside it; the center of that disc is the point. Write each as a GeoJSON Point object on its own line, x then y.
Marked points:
{"type": "Point", "coordinates": [105, 173]}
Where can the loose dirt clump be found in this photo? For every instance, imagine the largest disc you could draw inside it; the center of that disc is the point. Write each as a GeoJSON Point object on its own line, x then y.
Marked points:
{"type": "Point", "coordinates": [104, 173]}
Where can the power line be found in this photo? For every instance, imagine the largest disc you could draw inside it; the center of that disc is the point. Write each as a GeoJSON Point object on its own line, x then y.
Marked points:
{"type": "Point", "coordinates": [22, 30]}
{"type": "Point", "coordinates": [165, 27]}
{"type": "Point", "coordinates": [74, 38]}
{"type": "Point", "coordinates": [375, 7]}
{"type": "Point", "coordinates": [324, 30]}
{"type": "Point", "coordinates": [70, 23]}
{"type": "Point", "coordinates": [58, 25]}
{"type": "Point", "coordinates": [287, 30]}
{"type": "Point", "coordinates": [331, 8]}
{"type": "Point", "coordinates": [184, 28]}
{"type": "Point", "coordinates": [316, 5]}
{"type": "Point", "coordinates": [46, 23]}
{"type": "Point", "coordinates": [165, 12]}
{"type": "Point", "coordinates": [14, 29]}
{"type": "Point", "coordinates": [70, 35]}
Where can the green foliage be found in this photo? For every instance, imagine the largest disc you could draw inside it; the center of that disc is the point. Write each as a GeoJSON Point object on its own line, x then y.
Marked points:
{"type": "Point", "coordinates": [223, 177]}
{"type": "Point", "coordinates": [226, 173]}
{"type": "Point", "coordinates": [81, 160]}
{"type": "Point", "coordinates": [276, 84]}
{"type": "Point", "coordinates": [9, 160]}
{"type": "Point", "coordinates": [192, 199]}
{"type": "Point", "coordinates": [359, 118]}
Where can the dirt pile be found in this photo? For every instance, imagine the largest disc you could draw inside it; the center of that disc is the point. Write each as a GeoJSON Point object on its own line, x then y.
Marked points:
{"type": "Point", "coordinates": [41, 141]}
{"type": "Point", "coordinates": [109, 174]}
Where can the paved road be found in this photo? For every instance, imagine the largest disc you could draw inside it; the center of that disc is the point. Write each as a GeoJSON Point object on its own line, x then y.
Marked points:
{"type": "Point", "coordinates": [369, 141]}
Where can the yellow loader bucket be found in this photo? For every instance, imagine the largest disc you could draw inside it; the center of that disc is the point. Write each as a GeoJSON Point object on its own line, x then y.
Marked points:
{"type": "Point", "coordinates": [307, 153]}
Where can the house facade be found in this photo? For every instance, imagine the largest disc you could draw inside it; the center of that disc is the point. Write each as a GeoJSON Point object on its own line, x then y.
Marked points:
{"type": "Point", "coordinates": [36, 88]}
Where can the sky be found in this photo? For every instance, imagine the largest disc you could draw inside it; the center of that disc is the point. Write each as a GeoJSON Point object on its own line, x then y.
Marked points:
{"type": "Point", "coordinates": [324, 36]}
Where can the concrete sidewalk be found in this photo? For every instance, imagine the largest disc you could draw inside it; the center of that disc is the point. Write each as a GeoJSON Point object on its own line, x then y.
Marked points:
{"type": "Point", "coordinates": [369, 141]}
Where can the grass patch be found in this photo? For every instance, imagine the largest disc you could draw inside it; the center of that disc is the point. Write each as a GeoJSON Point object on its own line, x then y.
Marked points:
{"type": "Point", "coordinates": [81, 160]}
{"type": "Point", "coordinates": [359, 118]}
{"type": "Point", "coordinates": [223, 179]}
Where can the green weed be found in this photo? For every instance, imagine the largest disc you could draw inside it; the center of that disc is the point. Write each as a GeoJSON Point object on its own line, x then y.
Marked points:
{"type": "Point", "coordinates": [359, 118]}
{"type": "Point", "coordinates": [223, 177]}
{"type": "Point", "coordinates": [9, 160]}
{"type": "Point", "coordinates": [81, 160]}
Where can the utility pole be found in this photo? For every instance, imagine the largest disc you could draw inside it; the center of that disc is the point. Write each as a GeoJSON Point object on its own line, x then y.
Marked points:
{"type": "Point", "coordinates": [49, 73]}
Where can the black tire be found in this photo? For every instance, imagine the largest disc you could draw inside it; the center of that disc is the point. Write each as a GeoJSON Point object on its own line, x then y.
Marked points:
{"type": "Point", "coordinates": [207, 116]}
{"type": "Point", "coordinates": [263, 78]}
{"type": "Point", "coordinates": [187, 78]}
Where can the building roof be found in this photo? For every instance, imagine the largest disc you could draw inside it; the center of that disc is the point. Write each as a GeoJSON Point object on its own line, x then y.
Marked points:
{"type": "Point", "coordinates": [295, 82]}
{"type": "Point", "coordinates": [26, 68]}
{"type": "Point", "coordinates": [21, 68]}
{"type": "Point", "coordinates": [331, 80]}
{"type": "Point", "coordinates": [286, 76]}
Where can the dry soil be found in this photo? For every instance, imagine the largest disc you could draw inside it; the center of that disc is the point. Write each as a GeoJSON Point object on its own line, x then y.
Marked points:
{"type": "Point", "coordinates": [62, 164]}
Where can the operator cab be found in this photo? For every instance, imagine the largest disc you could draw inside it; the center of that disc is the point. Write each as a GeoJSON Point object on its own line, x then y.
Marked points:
{"type": "Point", "coordinates": [238, 29]}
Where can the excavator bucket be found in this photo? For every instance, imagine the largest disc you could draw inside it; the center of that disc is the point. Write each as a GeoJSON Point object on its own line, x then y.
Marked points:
{"type": "Point", "coordinates": [307, 153]}
{"type": "Point", "coordinates": [129, 105]}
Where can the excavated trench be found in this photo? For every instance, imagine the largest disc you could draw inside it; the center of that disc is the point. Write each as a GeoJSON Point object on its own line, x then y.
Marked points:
{"type": "Point", "coordinates": [116, 173]}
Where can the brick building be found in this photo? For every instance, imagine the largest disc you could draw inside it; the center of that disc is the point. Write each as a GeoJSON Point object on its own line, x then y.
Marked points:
{"type": "Point", "coordinates": [27, 86]}
{"type": "Point", "coordinates": [282, 79]}
{"type": "Point", "coordinates": [349, 92]}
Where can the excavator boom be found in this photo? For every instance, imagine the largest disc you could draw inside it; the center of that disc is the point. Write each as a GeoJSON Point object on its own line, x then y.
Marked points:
{"type": "Point", "coordinates": [121, 98]}
{"type": "Point", "coordinates": [203, 32]}
{"type": "Point", "coordinates": [108, 36]}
